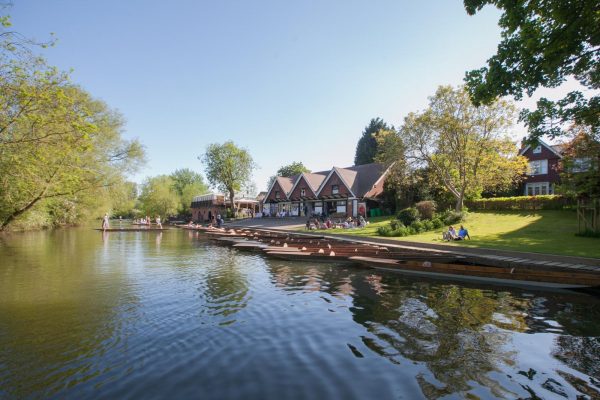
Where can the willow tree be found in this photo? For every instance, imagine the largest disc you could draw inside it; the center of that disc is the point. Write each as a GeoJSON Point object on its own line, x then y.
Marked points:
{"type": "Point", "coordinates": [228, 167]}
{"type": "Point", "coordinates": [56, 141]}
{"type": "Point", "coordinates": [466, 147]}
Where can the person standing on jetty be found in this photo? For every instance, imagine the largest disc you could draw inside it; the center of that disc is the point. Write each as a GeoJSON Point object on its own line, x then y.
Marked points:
{"type": "Point", "coordinates": [105, 225]}
{"type": "Point", "coordinates": [158, 223]}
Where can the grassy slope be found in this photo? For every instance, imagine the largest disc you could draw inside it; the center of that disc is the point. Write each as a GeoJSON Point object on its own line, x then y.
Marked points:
{"type": "Point", "coordinates": [549, 232]}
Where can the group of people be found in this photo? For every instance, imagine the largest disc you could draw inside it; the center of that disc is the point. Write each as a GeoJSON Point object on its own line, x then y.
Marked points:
{"type": "Point", "coordinates": [148, 221]}
{"type": "Point", "coordinates": [327, 223]}
{"type": "Point", "coordinates": [217, 221]}
{"type": "Point", "coordinates": [452, 234]}
{"type": "Point", "coordinates": [140, 221]}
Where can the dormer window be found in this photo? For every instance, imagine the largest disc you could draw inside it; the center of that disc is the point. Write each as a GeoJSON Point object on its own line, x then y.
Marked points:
{"type": "Point", "coordinates": [335, 189]}
{"type": "Point", "coordinates": [277, 194]}
{"type": "Point", "coordinates": [302, 192]}
{"type": "Point", "coordinates": [538, 149]}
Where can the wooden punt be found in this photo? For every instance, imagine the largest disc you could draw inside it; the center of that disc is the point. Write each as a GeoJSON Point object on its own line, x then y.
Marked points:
{"type": "Point", "coordinates": [557, 278]}
{"type": "Point", "coordinates": [133, 229]}
{"type": "Point", "coordinates": [302, 256]}
{"type": "Point", "coordinates": [249, 245]}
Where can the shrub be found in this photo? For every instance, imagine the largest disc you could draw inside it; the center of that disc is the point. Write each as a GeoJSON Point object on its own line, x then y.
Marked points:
{"type": "Point", "coordinates": [395, 224]}
{"type": "Point", "coordinates": [408, 215]}
{"type": "Point", "coordinates": [417, 226]}
{"type": "Point", "coordinates": [426, 208]}
{"type": "Point", "coordinates": [544, 202]}
{"type": "Point", "coordinates": [384, 230]}
{"type": "Point", "coordinates": [453, 217]}
{"type": "Point", "coordinates": [428, 225]}
{"type": "Point", "coordinates": [437, 223]}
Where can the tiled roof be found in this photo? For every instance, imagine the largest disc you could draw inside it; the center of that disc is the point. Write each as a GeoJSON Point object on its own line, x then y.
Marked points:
{"type": "Point", "coordinates": [359, 178]}
{"type": "Point", "coordinates": [286, 183]}
{"type": "Point", "coordinates": [315, 179]}
{"type": "Point", "coordinates": [364, 177]}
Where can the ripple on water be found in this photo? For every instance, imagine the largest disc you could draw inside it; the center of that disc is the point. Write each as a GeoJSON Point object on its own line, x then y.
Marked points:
{"type": "Point", "coordinates": [131, 316]}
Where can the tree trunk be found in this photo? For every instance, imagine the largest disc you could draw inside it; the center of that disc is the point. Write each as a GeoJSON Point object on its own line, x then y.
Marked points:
{"type": "Point", "coordinates": [459, 200]}
{"type": "Point", "coordinates": [459, 204]}
{"type": "Point", "coordinates": [15, 214]}
{"type": "Point", "coordinates": [231, 201]}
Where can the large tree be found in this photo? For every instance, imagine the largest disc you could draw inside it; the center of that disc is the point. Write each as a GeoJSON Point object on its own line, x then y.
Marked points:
{"type": "Point", "coordinates": [295, 168]}
{"type": "Point", "coordinates": [56, 141]}
{"type": "Point", "coordinates": [59, 147]}
{"type": "Point", "coordinates": [366, 148]}
{"type": "Point", "coordinates": [228, 167]}
{"type": "Point", "coordinates": [465, 146]}
{"type": "Point", "coordinates": [159, 197]}
{"type": "Point", "coordinates": [543, 43]}
{"type": "Point", "coordinates": [187, 184]}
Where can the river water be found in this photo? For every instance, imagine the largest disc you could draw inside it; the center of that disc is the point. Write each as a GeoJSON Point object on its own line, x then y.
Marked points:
{"type": "Point", "coordinates": [146, 315]}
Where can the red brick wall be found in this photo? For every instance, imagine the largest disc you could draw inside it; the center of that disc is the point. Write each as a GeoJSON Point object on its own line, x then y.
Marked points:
{"type": "Point", "coordinates": [275, 188]}
{"type": "Point", "coordinates": [302, 185]}
{"type": "Point", "coordinates": [334, 179]}
{"type": "Point", "coordinates": [553, 169]}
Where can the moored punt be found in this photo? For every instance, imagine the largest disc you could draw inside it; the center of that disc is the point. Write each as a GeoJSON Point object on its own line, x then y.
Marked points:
{"type": "Point", "coordinates": [249, 245]}
{"type": "Point", "coordinates": [522, 276]}
{"type": "Point", "coordinates": [302, 256]}
{"type": "Point", "coordinates": [132, 229]}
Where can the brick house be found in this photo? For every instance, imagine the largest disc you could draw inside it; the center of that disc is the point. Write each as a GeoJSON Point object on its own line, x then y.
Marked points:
{"type": "Point", "coordinates": [543, 169]}
{"type": "Point", "coordinates": [336, 192]}
{"type": "Point", "coordinates": [209, 205]}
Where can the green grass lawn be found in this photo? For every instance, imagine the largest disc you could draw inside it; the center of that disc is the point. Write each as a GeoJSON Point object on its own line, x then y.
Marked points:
{"type": "Point", "coordinates": [551, 232]}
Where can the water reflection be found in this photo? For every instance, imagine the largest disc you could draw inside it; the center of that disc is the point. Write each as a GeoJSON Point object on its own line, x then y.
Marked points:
{"type": "Point", "coordinates": [57, 314]}
{"type": "Point", "coordinates": [86, 314]}
{"type": "Point", "coordinates": [465, 336]}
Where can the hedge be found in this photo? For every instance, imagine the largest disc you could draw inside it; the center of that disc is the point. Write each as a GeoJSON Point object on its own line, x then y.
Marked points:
{"type": "Point", "coordinates": [545, 202]}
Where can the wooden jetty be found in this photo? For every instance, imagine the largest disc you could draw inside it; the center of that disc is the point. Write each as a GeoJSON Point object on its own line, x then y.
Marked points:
{"type": "Point", "coordinates": [133, 229]}
{"type": "Point", "coordinates": [431, 263]}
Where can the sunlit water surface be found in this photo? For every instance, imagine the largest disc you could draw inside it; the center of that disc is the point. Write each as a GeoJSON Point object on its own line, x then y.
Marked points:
{"type": "Point", "coordinates": [147, 315]}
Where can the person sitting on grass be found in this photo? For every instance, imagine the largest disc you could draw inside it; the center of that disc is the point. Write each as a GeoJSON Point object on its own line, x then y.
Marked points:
{"type": "Point", "coordinates": [450, 234]}
{"type": "Point", "coordinates": [463, 234]}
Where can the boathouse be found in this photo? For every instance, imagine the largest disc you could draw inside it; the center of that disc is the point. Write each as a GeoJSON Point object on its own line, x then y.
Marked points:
{"type": "Point", "coordinates": [338, 192]}
{"type": "Point", "coordinates": [209, 205]}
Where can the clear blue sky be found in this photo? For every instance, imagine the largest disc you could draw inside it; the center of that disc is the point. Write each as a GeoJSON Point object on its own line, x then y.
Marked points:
{"type": "Point", "coordinates": [289, 81]}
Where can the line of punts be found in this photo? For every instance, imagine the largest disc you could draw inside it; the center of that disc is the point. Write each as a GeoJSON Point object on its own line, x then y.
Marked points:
{"type": "Point", "coordinates": [446, 265]}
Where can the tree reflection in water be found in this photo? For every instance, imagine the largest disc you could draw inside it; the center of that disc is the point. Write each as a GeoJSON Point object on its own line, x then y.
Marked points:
{"type": "Point", "coordinates": [225, 286]}
{"type": "Point", "coordinates": [463, 334]}
{"type": "Point", "coordinates": [52, 328]}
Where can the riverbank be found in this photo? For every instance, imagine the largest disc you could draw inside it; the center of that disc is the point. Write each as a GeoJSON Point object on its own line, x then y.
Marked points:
{"type": "Point", "coordinates": [548, 232]}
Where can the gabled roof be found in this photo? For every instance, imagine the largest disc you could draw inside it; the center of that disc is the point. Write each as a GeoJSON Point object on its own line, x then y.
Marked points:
{"type": "Point", "coordinates": [285, 184]}
{"type": "Point", "coordinates": [315, 179]}
{"type": "Point", "coordinates": [310, 179]}
{"type": "Point", "coordinates": [556, 149]}
{"type": "Point", "coordinates": [360, 179]}
{"type": "Point", "coordinates": [366, 176]}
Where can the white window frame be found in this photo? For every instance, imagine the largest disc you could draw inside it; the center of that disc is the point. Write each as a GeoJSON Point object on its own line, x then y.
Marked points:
{"type": "Point", "coordinates": [302, 192]}
{"type": "Point", "coordinates": [340, 207]}
{"type": "Point", "coordinates": [538, 188]}
{"type": "Point", "coordinates": [538, 167]}
{"type": "Point", "coordinates": [335, 189]}
{"type": "Point", "coordinates": [318, 207]}
{"type": "Point", "coordinates": [538, 149]}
